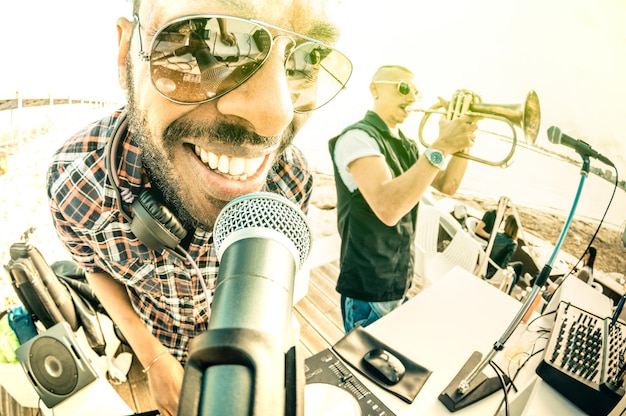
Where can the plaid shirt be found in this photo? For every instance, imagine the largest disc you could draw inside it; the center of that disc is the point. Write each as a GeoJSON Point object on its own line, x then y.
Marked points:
{"type": "Point", "coordinates": [164, 290]}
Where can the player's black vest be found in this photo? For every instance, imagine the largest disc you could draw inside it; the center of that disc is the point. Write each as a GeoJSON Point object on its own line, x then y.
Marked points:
{"type": "Point", "coordinates": [377, 261]}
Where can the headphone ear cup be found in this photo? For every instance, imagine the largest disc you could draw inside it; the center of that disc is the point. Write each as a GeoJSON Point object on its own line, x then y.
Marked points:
{"type": "Point", "coordinates": [154, 224]}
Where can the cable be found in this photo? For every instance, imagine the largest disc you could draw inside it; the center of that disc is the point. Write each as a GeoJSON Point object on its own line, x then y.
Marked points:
{"type": "Point", "coordinates": [528, 356]}
{"type": "Point", "coordinates": [504, 399]}
{"type": "Point", "coordinates": [540, 316]}
{"type": "Point", "coordinates": [202, 283]}
{"type": "Point", "coordinates": [505, 388]}
{"type": "Point", "coordinates": [39, 410]}
{"type": "Point", "coordinates": [495, 365]}
{"type": "Point", "coordinates": [593, 237]}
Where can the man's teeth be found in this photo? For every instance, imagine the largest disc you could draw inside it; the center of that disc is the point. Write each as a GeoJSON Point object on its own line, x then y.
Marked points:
{"type": "Point", "coordinates": [234, 166]}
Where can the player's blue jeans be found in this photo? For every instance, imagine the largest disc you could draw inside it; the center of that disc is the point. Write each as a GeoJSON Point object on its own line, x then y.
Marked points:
{"type": "Point", "coordinates": [356, 312]}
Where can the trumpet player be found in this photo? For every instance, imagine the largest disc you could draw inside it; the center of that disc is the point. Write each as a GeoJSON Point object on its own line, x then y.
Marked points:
{"type": "Point", "coordinates": [380, 178]}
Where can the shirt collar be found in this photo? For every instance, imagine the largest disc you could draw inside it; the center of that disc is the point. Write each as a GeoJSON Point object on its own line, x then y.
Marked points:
{"type": "Point", "coordinates": [375, 120]}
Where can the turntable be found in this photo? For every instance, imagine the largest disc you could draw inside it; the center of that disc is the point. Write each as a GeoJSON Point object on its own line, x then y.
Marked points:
{"type": "Point", "coordinates": [333, 390]}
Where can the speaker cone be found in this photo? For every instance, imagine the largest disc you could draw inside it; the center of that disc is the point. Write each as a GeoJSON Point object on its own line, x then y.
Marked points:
{"type": "Point", "coordinates": [53, 366]}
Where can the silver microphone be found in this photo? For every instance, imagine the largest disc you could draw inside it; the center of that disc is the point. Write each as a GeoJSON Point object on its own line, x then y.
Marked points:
{"type": "Point", "coordinates": [238, 366]}
{"type": "Point", "coordinates": [262, 239]}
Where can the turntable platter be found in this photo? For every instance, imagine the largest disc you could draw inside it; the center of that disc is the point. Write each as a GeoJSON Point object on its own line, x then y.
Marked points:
{"type": "Point", "coordinates": [322, 399]}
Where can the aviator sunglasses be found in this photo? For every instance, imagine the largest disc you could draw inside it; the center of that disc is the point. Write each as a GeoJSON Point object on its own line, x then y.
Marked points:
{"type": "Point", "coordinates": [199, 58]}
{"type": "Point", "coordinates": [402, 87]}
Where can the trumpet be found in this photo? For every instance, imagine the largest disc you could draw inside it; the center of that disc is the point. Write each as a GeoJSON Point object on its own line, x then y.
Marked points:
{"type": "Point", "coordinates": [527, 117]}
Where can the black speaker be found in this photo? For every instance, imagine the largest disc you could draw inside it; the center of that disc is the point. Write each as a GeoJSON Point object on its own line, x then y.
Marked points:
{"type": "Point", "coordinates": [55, 364]}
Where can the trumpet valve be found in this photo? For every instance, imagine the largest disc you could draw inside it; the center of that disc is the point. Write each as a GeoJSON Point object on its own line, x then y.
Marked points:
{"type": "Point", "coordinates": [460, 103]}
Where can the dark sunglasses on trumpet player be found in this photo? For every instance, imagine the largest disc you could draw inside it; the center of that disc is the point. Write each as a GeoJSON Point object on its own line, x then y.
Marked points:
{"type": "Point", "coordinates": [403, 88]}
{"type": "Point", "coordinates": [199, 58]}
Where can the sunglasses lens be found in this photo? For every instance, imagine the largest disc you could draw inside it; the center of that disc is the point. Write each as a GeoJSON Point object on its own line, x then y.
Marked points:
{"type": "Point", "coordinates": [197, 59]}
{"type": "Point", "coordinates": [316, 73]}
{"type": "Point", "coordinates": [404, 88]}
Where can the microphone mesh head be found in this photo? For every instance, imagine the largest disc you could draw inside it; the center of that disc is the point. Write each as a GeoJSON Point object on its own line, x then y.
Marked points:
{"type": "Point", "coordinates": [264, 210]}
{"type": "Point", "coordinates": [554, 135]}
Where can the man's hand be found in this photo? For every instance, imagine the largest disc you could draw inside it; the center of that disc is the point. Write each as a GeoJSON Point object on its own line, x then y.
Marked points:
{"type": "Point", "coordinates": [460, 103]}
{"type": "Point", "coordinates": [228, 39]}
{"type": "Point", "coordinates": [165, 380]}
{"type": "Point", "coordinates": [455, 135]}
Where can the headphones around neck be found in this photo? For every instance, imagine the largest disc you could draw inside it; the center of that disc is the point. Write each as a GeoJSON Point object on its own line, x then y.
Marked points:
{"type": "Point", "coordinates": [152, 223]}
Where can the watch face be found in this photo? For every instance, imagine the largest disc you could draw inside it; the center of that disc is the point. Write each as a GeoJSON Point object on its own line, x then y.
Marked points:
{"type": "Point", "coordinates": [436, 157]}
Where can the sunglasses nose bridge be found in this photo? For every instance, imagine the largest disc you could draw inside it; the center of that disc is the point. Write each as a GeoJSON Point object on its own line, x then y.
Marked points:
{"type": "Point", "coordinates": [288, 39]}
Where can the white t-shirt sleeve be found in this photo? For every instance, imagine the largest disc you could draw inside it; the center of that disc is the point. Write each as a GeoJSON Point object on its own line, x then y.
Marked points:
{"type": "Point", "coordinates": [352, 145]}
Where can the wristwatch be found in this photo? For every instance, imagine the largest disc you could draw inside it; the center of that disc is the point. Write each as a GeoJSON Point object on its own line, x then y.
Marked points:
{"type": "Point", "coordinates": [435, 157]}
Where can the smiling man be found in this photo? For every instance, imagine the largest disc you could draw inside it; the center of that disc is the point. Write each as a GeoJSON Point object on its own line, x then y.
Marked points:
{"type": "Point", "coordinates": [380, 179]}
{"type": "Point", "coordinates": [216, 92]}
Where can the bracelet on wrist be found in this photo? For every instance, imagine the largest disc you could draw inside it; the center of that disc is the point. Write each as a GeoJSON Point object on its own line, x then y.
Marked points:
{"type": "Point", "coordinates": [157, 358]}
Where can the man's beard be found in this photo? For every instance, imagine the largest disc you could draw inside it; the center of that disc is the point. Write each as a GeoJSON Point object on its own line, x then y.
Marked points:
{"type": "Point", "coordinates": [158, 162]}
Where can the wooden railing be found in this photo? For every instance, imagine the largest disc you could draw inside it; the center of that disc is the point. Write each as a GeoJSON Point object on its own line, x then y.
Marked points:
{"type": "Point", "coordinates": [21, 118]}
{"type": "Point", "coordinates": [16, 103]}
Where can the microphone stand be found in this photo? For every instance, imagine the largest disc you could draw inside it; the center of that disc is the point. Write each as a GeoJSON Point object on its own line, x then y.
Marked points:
{"type": "Point", "coordinates": [470, 384]}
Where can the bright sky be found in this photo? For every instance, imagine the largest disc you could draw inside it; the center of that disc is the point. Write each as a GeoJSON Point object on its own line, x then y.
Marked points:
{"type": "Point", "coordinates": [62, 47]}
{"type": "Point", "coordinates": [572, 52]}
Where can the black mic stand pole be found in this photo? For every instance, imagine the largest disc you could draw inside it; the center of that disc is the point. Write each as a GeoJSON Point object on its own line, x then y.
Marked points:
{"type": "Point", "coordinates": [470, 384]}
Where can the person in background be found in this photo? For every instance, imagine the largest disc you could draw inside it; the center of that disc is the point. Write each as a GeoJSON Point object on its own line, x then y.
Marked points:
{"type": "Point", "coordinates": [202, 126]}
{"type": "Point", "coordinates": [585, 274]}
{"type": "Point", "coordinates": [504, 246]}
{"type": "Point", "coordinates": [485, 225]}
{"type": "Point", "coordinates": [380, 178]}
{"type": "Point", "coordinates": [459, 213]}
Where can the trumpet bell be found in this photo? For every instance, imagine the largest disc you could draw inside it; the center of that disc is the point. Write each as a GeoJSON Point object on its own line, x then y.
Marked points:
{"type": "Point", "coordinates": [532, 117]}
{"type": "Point", "coordinates": [527, 116]}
